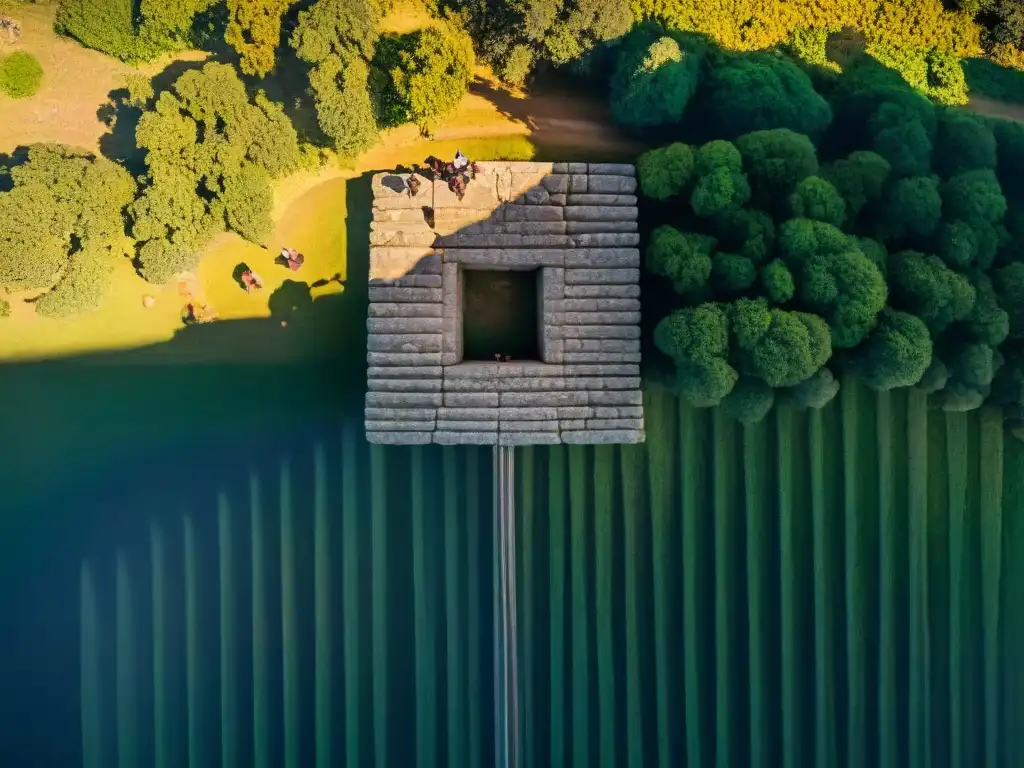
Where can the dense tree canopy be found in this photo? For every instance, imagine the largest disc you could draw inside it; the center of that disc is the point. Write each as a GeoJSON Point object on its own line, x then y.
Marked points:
{"type": "Point", "coordinates": [667, 171]}
{"type": "Point", "coordinates": [434, 73]}
{"type": "Point", "coordinates": [654, 80]}
{"type": "Point", "coordinates": [254, 30]}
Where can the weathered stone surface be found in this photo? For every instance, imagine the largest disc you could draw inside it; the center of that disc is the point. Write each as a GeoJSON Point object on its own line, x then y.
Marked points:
{"type": "Point", "coordinates": [600, 318]}
{"type": "Point", "coordinates": [603, 184]}
{"type": "Point", "coordinates": [552, 287]}
{"type": "Point", "coordinates": [537, 196]}
{"type": "Point", "coordinates": [542, 399]}
{"type": "Point", "coordinates": [403, 358]}
{"type": "Point", "coordinates": [602, 345]}
{"type": "Point", "coordinates": [575, 412]}
{"type": "Point", "coordinates": [602, 257]}
{"type": "Point", "coordinates": [577, 167]}
{"type": "Point", "coordinates": [601, 369]}
{"type": "Point", "coordinates": [481, 192]}
{"type": "Point", "coordinates": [601, 277]}
{"type": "Point", "coordinates": [506, 258]}
{"type": "Point", "coordinates": [470, 385]}
{"type": "Point", "coordinates": [389, 294]}
{"type": "Point", "coordinates": [603, 383]}
{"type": "Point", "coordinates": [546, 241]}
{"type": "Point", "coordinates": [533, 213]}
{"type": "Point", "coordinates": [602, 291]}
{"type": "Point", "coordinates": [556, 183]}
{"type": "Point", "coordinates": [590, 227]}
{"type": "Point", "coordinates": [612, 169]}
{"type": "Point", "coordinates": [404, 372]}
{"type": "Point", "coordinates": [594, 199]}
{"type": "Point", "coordinates": [450, 425]}
{"type": "Point", "coordinates": [409, 216]}
{"type": "Point", "coordinates": [602, 305]}
{"type": "Point", "coordinates": [600, 213]}
{"type": "Point", "coordinates": [404, 385]}
{"type": "Point", "coordinates": [567, 424]}
{"type": "Point", "coordinates": [624, 397]}
{"type": "Point", "coordinates": [403, 325]}
{"type": "Point", "coordinates": [466, 438]}
{"type": "Point", "coordinates": [398, 426]}
{"type": "Point", "coordinates": [601, 357]}
{"type": "Point", "coordinates": [476, 369]}
{"type": "Point", "coordinates": [400, 438]}
{"type": "Point", "coordinates": [527, 414]}
{"type": "Point", "coordinates": [405, 237]}
{"type": "Point", "coordinates": [606, 240]}
{"type": "Point", "coordinates": [529, 426]}
{"type": "Point", "coordinates": [411, 281]}
{"type": "Point", "coordinates": [401, 414]}
{"type": "Point", "coordinates": [578, 183]}
{"type": "Point", "coordinates": [467, 414]}
{"type": "Point", "coordinates": [560, 168]}
{"type": "Point", "coordinates": [404, 342]}
{"type": "Point", "coordinates": [391, 263]}
{"type": "Point", "coordinates": [403, 399]}
{"type": "Point", "coordinates": [531, 384]}
{"type": "Point", "coordinates": [557, 199]}
{"type": "Point", "coordinates": [528, 438]}
{"type": "Point", "coordinates": [378, 309]}
{"type": "Point", "coordinates": [615, 423]}
{"type": "Point", "coordinates": [450, 358]}
{"type": "Point", "coordinates": [618, 412]}
{"type": "Point", "coordinates": [534, 227]}
{"type": "Point", "coordinates": [470, 399]}
{"type": "Point", "coordinates": [602, 437]}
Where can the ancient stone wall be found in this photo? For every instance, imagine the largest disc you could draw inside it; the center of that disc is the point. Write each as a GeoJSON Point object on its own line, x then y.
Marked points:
{"type": "Point", "coordinates": [577, 224]}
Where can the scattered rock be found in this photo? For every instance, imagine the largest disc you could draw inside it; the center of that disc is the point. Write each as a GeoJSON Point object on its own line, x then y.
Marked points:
{"type": "Point", "coordinates": [148, 301]}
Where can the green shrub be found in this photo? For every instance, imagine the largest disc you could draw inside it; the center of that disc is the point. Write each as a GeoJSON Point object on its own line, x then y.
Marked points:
{"type": "Point", "coordinates": [82, 288]}
{"type": "Point", "coordinates": [989, 79]}
{"type": "Point", "coordinates": [816, 391]}
{"type": "Point", "coordinates": [963, 143]}
{"type": "Point", "coordinates": [20, 75]}
{"type": "Point", "coordinates": [340, 87]}
{"type": "Point", "coordinates": [815, 198]}
{"type": "Point", "coordinates": [653, 81]}
{"type": "Point", "coordinates": [433, 76]}
{"type": "Point", "coordinates": [666, 171]}
{"type": "Point", "coordinates": [5, 308]}
{"type": "Point", "coordinates": [106, 25]}
{"type": "Point", "coordinates": [750, 400]}
{"type": "Point", "coordinates": [777, 282]}
{"type": "Point", "coordinates": [775, 161]}
{"type": "Point", "coordinates": [897, 352]}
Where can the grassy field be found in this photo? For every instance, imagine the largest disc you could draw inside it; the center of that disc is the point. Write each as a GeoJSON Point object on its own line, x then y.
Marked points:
{"type": "Point", "coordinates": [825, 588]}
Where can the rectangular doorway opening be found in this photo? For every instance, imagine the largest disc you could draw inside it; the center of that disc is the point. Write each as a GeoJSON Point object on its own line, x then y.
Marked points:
{"type": "Point", "coordinates": [499, 314]}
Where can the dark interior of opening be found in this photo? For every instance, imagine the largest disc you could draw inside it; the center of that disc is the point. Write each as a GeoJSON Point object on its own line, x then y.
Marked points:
{"type": "Point", "coordinates": [499, 314]}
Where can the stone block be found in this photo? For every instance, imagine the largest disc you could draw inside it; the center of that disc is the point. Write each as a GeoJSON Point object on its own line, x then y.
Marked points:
{"type": "Point", "coordinates": [602, 345]}
{"type": "Point", "coordinates": [621, 397]}
{"type": "Point", "coordinates": [459, 240]}
{"type": "Point", "coordinates": [577, 183]}
{"type": "Point", "coordinates": [528, 438]}
{"type": "Point", "coordinates": [466, 438]}
{"type": "Point", "coordinates": [401, 414]}
{"type": "Point", "coordinates": [598, 318]}
{"type": "Point", "coordinates": [522, 368]}
{"type": "Point", "coordinates": [571, 424]}
{"type": "Point", "coordinates": [600, 227]}
{"type": "Point", "coordinates": [600, 357]}
{"type": "Point", "coordinates": [404, 342]}
{"type": "Point", "coordinates": [391, 191]}
{"type": "Point", "coordinates": [537, 196]}
{"type": "Point", "coordinates": [556, 183]}
{"type": "Point", "coordinates": [477, 369]}
{"type": "Point", "coordinates": [403, 400]}
{"type": "Point", "coordinates": [450, 358]}
{"type": "Point", "coordinates": [403, 358]}
{"type": "Point", "coordinates": [527, 414]}
{"type": "Point", "coordinates": [529, 426]}
{"type": "Point", "coordinates": [602, 383]}
{"type": "Point", "coordinates": [404, 385]}
{"type": "Point", "coordinates": [618, 412]}
{"type": "Point", "coordinates": [552, 286]}
{"type": "Point", "coordinates": [378, 309]}
{"type": "Point", "coordinates": [391, 263]}
{"type": "Point", "coordinates": [467, 414]}
{"type": "Point", "coordinates": [404, 372]}
{"type": "Point", "coordinates": [503, 184]}
{"type": "Point", "coordinates": [421, 237]}
{"type": "Point", "coordinates": [544, 241]}
{"type": "Point", "coordinates": [401, 216]}
{"type": "Point", "coordinates": [615, 423]}
{"type": "Point", "coordinates": [577, 167]}
{"type": "Point", "coordinates": [398, 426]}
{"type": "Point", "coordinates": [400, 438]}
{"type": "Point", "coordinates": [600, 213]}
{"type": "Point", "coordinates": [542, 399]}
{"type": "Point", "coordinates": [602, 437]}
{"type": "Point", "coordinates": [534, 227]}
{"type": "Point", "coordinates": [557, 199]}
{"type": "Point", "coordinates": [601, 277]}
{"type": "Point", "coordinates": [602, 291]}
{"type": "Point", "coordinates": [506, 258]}
{"type": "Point", "coordinates": [601, 369]}
{"type": "Point", "coordinates": [450, 425]}
{"type": "Point", "coordinates": [593, 199]}
{"type": "Point", "coordinates": [612, 169]}
{"type": "Point", "coordinates": [553, 351]}
{"type": "Point", "coordinates": [470, 399]}
{"type": "Point", "coordinates": [412, 281]}
{"type": "Point", "coordinates": [603, 257]}
{"type": "Point", "coordinates": [469, 385]}
{"type": "Point", "coordinates": [390, 294]}
{"type": "Point", "coordinates": [403, 325]}
{"type": "Point", "coordinates": [602, 305]}
{"type": "Point", "coordinates": [531, 384]}
{"type": "Point", "coordinates": [575, 412]}
{"type": "Point", "coordinates": [605, 184]}
{"type": "Point", "coordinates": [560, 168]}
{"type": "Point", "coordinates": [606, 240]}
{"type": "Point", "coordinates": [481, 192]}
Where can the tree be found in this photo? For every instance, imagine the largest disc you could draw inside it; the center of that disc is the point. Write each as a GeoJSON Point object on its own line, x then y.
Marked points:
{"type": "Point", "coordinates": [934, 378]}
{"type": "Point", "coordinates": [343, 105]}
{"type": "Point", "coordinates": [974, 197]}
{"type": "Point", "coordinates": [799, 239]}
{"type": "Point", "coordinates": [82, 287]}
{"type": "Point", "coordinates": [777, 282]}
{"type": "Point", "coordinates": [896, 353]}
{"type": "Point", "coordinates": [105, 25]}
{"type": "Point", "coordinates": [898, 135]}
{"type": "Point", "coordinates": [845, 288]}
{"type": "Point", "coordinates": [749, 401]}
{"type": "Point", "coordinates": [434, 74]}
{"type": "Point", "coordinates": [775, 161]}
{"type": "Point", "coordinates": [697, 340]}
{"type": "Point", "coordinates": [1009, 285]}
{"type": "Point", "coordinates": [762, 91]}
{"type": "Point", "coordinates": [334, 27]}
{"type": "Point", "coordinates": [62, 201]}
{"type": "Point", "coordinates": [205, 134]}
{"type": "Point", "coordinates": [815, 198]}
{"type": "Point", "coordinates": [685, 259]}
{"type": "Point", "coordinates": [922, 285]}
{"type": "Point", "coordinates": [653, 82]}
{"type": "Point", "coordinates": [957, 244]}
{"type": "Point", "coordinates": [20, 75]}
{"type": "Point", "coordinates": [816, 391]}
{"type": "Point", "coordinates": [749, 232]}
{"type": "Point", "coordinates": [987, 322]}
{"type": "Point", "coordinates": [782, 348]}
{"type": "Point", "coordinates": [911, 211]}
{"type": "Point", "coordinates": [718, 191]}
{"type": "Point", "coordinates": [860, 178]}
{"type": "Point", "coordinates": [166, 26]}
{"type": "Point", "coordinates": [254, 30]}
{"type": "Point", "coordinates": [667, 171]}
{"type": "Point", "coordinates": [875, 252]}
{"type": "Point", "coordinates": [732, 274]}
{"type": "Point", "coordinates": [1009, 155]}
{"type": "Point", "coordinates": [963, 143]}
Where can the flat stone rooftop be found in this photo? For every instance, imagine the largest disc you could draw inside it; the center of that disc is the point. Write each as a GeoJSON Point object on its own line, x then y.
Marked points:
{"type": "Point", "coordinates": [573, 223]}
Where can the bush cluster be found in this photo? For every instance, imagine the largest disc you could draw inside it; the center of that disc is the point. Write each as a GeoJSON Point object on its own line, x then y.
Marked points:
{"type": "Point", "coordinates": [20, 75]}
{"type": "Point", "coordinates": [878, 241]}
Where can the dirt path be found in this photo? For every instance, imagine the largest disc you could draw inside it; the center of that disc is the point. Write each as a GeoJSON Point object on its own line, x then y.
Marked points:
{"type": "Point", "coordinates": [994, 108]}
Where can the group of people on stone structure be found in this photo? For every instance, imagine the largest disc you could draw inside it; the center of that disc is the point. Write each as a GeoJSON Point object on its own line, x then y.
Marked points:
{"type": "Point", "coordinates": [457, 173]}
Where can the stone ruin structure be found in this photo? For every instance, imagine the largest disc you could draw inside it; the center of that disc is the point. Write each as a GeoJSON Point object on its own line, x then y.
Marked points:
{"type": "Point", "coordinates": [575, 226]}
